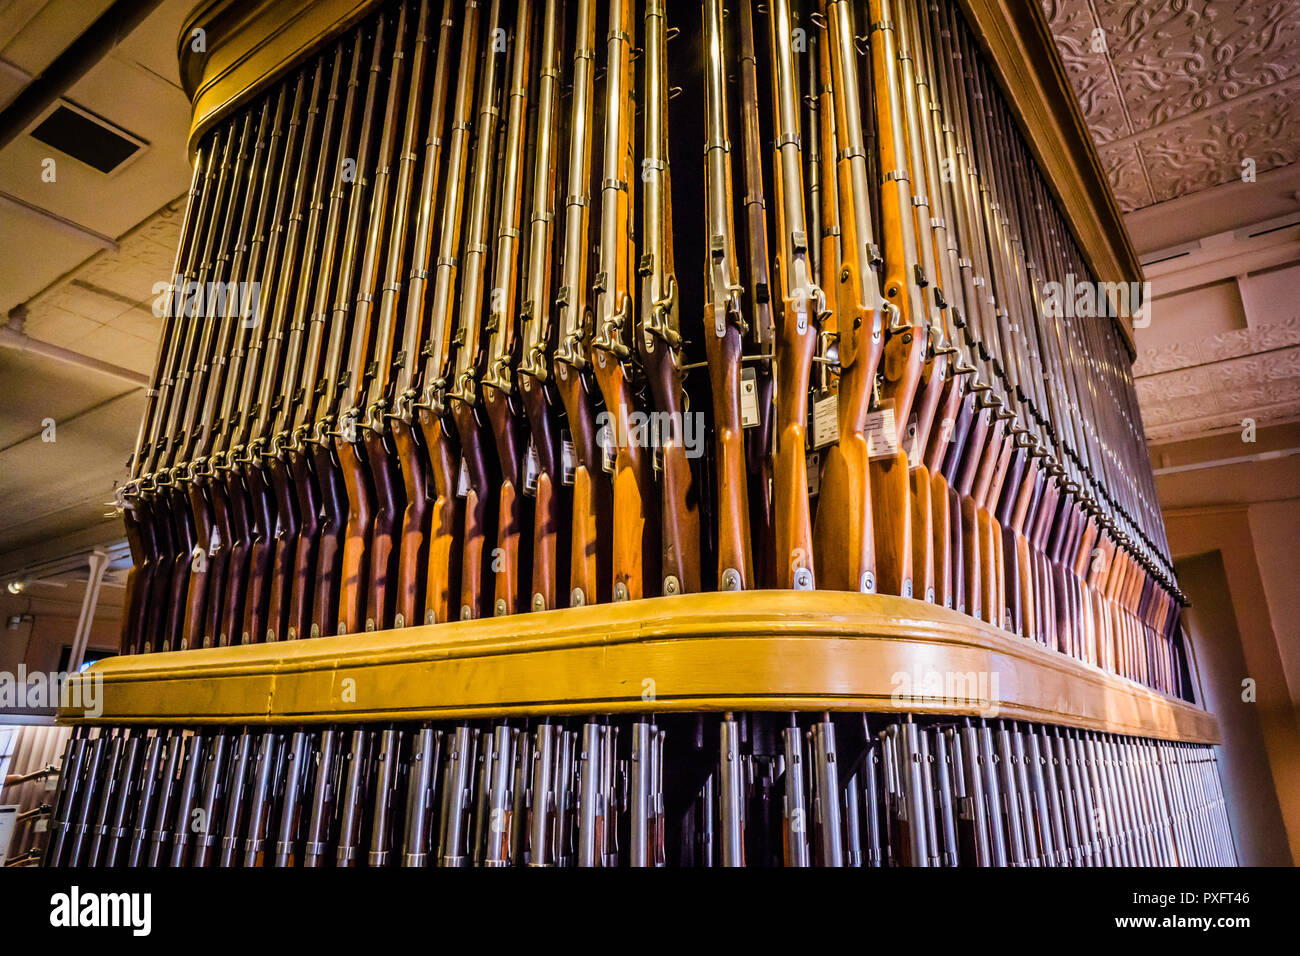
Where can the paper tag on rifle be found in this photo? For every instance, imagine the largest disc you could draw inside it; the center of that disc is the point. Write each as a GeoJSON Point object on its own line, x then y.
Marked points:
{"type": "Point", "coordinates": [882, 434]}
{"type": "Point", "coordinates": [606, 436]}
{"type": "Point", "coordinates": [41, 825]}
{"type": "Point", "coordinates": [462, 480]}
{"type": "Point", "coordinates": [748, 398]}
{"type": "Point", "coordinates": [567, 467]}
{"type": "Point", "coordinates": [52, 782]}
{"type": "Point", "coordinates": [911, 445]}
{"type": "Point", "coordinates": [531, 468]}
{"type": "Point", "coordinates": [826, 414]}
{"type": "Point", "coordinates": [814, 463]}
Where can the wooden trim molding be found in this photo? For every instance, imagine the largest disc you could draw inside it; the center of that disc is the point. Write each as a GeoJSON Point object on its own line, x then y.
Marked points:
{"type": "Point", "coordinates": [1018, 44]}
{"type": "Point", "coordinates": [246, 44]}
{"type": "Point", "coordinates": [760, 650]}
{"type": "Point", "coordinates": [249, 43]}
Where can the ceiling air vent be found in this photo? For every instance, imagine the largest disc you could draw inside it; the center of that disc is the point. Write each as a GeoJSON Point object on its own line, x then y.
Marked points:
{"type": "Point", "coordinates": [86, 137]}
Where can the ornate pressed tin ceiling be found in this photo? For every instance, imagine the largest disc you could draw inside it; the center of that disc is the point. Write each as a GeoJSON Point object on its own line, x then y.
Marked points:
{"type": "Point", "coordinates": [1178, 93]}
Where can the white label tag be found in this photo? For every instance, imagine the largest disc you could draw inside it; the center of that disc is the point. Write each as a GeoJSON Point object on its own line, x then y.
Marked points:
{"type": "Point", "coordinates": [52, 782]}
{"type": "Point", "coordinates": [814, 463]}
{"type": "Point", "coordinates": [607, 449]}
{"type": "Point", "coordinates": [41, 825]}
{"type": "Point", "coordinates": [567, 466]}
{"type": "Point", "coordinates": [910, 444]}
{"type": "Point", "coordinates": [748, 398]}
{"type": "Point", "coordinates": [826, 413]}
{"type": "Point", "coordinates": [462, 480]}
{"type": "Point", "coordinates": [531, 468]}
{"type": "Point", "coordinates": [882, 434]}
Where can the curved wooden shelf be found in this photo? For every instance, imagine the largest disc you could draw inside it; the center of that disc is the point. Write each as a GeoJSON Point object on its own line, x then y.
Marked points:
{"type": "Point", "coordinates": [758, 650]}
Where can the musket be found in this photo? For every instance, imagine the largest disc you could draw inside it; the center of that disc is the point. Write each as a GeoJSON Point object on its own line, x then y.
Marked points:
{"type": "Point", "coordinates": [442, 589]}
{"type": "Point", "coordinates": [589, 547]}
{"type": "Point", "coordinates": [265, 780]}
{"type": "Point", "coordinates": [635, 532]}
{"type": "Point", "coordinates": [244, 368]}
{"type": "Point", "coordinates": [463, 399]}
{"type": "Point", "coordinates": [387, 236]}
{"type": "Point", "coordinates": [207, 497]}
{"type": "Point", "coordinates": [150, 779]}
{"type": "Point", "coordinates": [313, 490]}
{"type": "Point", "coordinates": [295, 773]}
{"type": "Point", "coordinates": [846, 537]}
{"type": "Point", "coordinates": [426, 749]}
{"type": "Point", "coordinates": [128, 790]}
{"type": "Point", "coordinates": [502, 327]}
{"type": "Point", "coordinates": [802, 305]}
{"type": "Point", "coordinates": [387, 781]}
{"type": "Point", "coordinates": [241, 759]}
{"type": "Point", "coordinates": [353, 778]}
{"type": "Point", "coordinates": [284, 454]}
{"type": "Point", "coordinates": [794, 812]}
{"type": "Point", "coordinates": [347, 571]}
{"type": "Point", "coordinates": [537, 328]}
{"type": "Point", "coordinates": [419, 531]}
{"type": "Point", "coordinates": [277, 273]}
{"type": "Point", "coordinates": [176, 531]}
{"type": "Point", "coordinates": [659, 347]}
{"type": "Point", "coordinates": [197, 389]}
{"type": "Point", "coordinates": [112, 782]}
{"type": "Point", "coordinates": [324, 791]}
{"type": "Point", "coordinates": [320, 551]}
{"type": "Point", "coordinates": [184, 821]}
{"type": "Point", "coordinates": [762, 331]}
{"type": "Point", "coordinates": [731, 768]}
{"type": "Point", "coordinates": [453, 832]}
{"type": "Point", "coordinates": [723, 320]}
{"type": "Point", "coordinates": [96, 767]}
{"type": "Point", "coordinates": [207, 815]}
{"type": "Point", "coordinates": [828, 834]}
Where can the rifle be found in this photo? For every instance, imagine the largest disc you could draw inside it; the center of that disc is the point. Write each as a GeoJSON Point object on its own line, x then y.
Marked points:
{"type": "Point", "coordinates": [589, 554]}
{"type": "Point", "coordinates": [660, 348]}
{"type": "Point", "coordinates": [762, 331]}
{"type": "Point", "coordinates": [136, 510]}
{"type": "Point", "coordinates": [346, 573]}
{"type": "Point", "coordinates": [794, 812]}
{"type": "Point", "coordinates": [537, 330]}
{"type": "Point", "coordinates": [498, 384]}
{"type": "Point", "coordinates": [294, 773]}
{"type": "Point", "coordinates": [182, 814]}
{"type": "Point", "coordinates": [803, 304]}
{"type": "Point", "coordinates": [426, 750]}
{"type": "Point", "coordinates": [846, 542]}
{"type": "Point", "coordinates": [462, 395]}
{"type": "Point", "coordinates": [207, 814]}
{"type": "Point", "coordinates": [453, 833]}
{"type": "Point", "coordinates": [418, 530]}
{"type": "Point", "coordinates": [388, 504]}
{"type": "Point", "coordinates": [444, 574]}
{"type": "Point", "coordinates": [325, 788]}
{"type": "Point", "coordinates": [724, 328]}
{"type": "Point", "coordinates": [207, 381]}
{"type": "Point", "coordinates": [635, 530]}
{"type": "Point", "coordinates": [388, 773]}
{"type": "Point", "coordinates": [112, 776]}
{"type": "Point", "coordinates": [241, 757]}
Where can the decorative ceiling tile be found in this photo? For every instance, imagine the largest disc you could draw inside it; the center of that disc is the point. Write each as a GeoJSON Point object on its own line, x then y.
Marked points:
{"type": "Point", "coordinates": [1184, 90]}
{"type": "Point", "coordinates": [1210, 148]}
{"type": "Point", "coordinates": [1128, 180]}
{"type": "Point", "coordinates": [1175, 56]}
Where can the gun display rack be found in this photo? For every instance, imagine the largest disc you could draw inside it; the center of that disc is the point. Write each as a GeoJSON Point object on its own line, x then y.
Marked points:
{"type": "Point", "coordinates": [688, 367]}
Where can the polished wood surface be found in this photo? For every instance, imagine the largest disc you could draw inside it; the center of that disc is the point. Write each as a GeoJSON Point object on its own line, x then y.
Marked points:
{"type": "Point", "coordinates": [758, 650]}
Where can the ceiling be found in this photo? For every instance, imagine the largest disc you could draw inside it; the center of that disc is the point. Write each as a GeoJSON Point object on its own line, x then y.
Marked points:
{"type": "Point", "coordinates": [82, 256]}
{"type": "Point", "coordinates": [1177, 94]}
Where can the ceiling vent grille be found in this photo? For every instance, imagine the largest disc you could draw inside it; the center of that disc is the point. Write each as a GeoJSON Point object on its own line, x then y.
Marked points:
{"type": "Point", "coordinates": [87, 138]}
